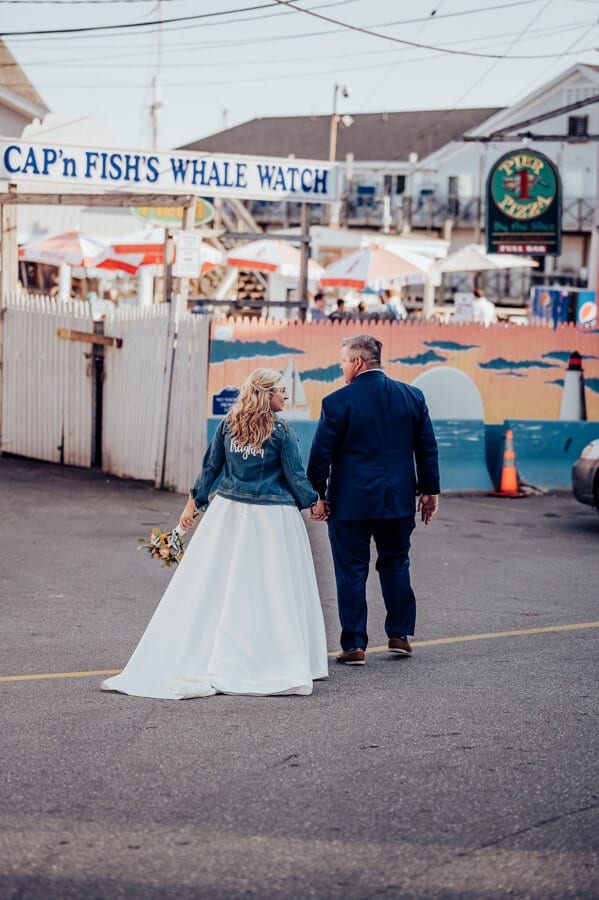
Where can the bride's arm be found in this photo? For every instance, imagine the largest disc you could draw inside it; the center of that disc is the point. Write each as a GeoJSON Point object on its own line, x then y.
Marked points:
{"type": "Point", "coordinates": [212, 464]}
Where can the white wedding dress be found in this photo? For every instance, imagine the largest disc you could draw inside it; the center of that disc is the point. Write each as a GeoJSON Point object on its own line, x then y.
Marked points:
{"type": "Point", "coordinates": [241, 614]}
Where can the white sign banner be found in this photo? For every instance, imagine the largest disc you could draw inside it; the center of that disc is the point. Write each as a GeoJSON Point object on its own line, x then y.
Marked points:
{"type": "Point", "coordinates": [463, 307]}
{"type": "Point", "coordinates": [170, 172]}
{"type": "Point", "coordinates": [188, 262]}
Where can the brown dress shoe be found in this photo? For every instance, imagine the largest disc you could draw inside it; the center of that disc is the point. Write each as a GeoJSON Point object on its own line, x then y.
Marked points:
{"type": "Point", "coordinates": [399, 645]}
{"type": "Point", "coordinates": [353, 657]}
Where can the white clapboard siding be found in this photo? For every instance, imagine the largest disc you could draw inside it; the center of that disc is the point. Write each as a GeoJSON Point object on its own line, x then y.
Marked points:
{"type": "Point", "coordinates": [134, 391]}
{"type": "Point", "coordinates": [186, 435]}
{"type": "Point", "coordinates": [47, 384]}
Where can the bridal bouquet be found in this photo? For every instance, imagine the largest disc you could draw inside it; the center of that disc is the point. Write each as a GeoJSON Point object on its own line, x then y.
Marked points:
{"type": "Point", "coordinates": [166, 546]}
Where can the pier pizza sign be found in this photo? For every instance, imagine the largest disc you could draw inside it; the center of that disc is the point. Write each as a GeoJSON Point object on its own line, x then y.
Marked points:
{"type": "Point", "coordinates": [524, 210]}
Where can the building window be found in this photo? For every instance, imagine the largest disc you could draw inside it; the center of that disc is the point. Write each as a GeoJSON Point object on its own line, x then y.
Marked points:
{"type": "Point", "coordinates": [390, 180]}
{"type": "Point", "coordinates": [578, 126]}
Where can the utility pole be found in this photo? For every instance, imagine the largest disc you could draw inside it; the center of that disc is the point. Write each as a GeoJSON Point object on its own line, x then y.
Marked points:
{"type": "Point", "coordinates": [157, 82]}
{"type": "Point", "coordinates": [334, 208]}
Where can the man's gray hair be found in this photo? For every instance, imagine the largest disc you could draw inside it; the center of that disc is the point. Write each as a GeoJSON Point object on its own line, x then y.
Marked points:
{"type": "Point", "coordinates": [367, 347]}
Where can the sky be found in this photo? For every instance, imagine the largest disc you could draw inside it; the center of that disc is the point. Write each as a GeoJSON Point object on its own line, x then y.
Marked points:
{"type": "Point", "coordinates": [236, 60]}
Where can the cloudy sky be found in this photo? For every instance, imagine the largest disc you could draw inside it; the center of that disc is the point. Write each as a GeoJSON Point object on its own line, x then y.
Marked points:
{"type": "Point", "coordinates": [226, 61]}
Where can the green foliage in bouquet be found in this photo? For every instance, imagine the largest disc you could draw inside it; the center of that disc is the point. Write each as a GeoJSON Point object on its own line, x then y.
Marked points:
{"type": "Point", "coordinates": [166, 546]}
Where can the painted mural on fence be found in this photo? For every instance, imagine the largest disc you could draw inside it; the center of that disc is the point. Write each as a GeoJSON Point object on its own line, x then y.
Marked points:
{"type": "Point", "coordinates": [518, 370]}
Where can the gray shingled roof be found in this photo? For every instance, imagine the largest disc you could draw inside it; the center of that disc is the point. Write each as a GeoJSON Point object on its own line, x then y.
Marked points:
{"type": "Point", "coordinates": [372, 136]}
{"type": "Point", "coordinates": [14, 79]}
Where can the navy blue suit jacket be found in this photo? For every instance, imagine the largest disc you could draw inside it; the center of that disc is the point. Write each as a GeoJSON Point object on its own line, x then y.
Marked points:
{"type": "Point", "coordinates": [374, 449]}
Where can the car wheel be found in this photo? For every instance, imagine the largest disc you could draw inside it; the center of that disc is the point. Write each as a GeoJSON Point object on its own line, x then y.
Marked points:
{"type": "Point", "coordinates": [596, 493]}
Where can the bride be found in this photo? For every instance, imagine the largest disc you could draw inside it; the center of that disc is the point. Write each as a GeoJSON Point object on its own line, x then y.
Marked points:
{"type": "Point", "coordinates": [241, 614]}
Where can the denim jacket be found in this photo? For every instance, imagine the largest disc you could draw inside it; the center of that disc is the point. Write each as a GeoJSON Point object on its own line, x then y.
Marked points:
{"type": "Point", "coordinates": [272, 475]}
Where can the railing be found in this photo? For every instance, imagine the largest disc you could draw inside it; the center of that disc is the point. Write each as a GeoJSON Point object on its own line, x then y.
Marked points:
{"type": "Point", "coordinates": [424, 212]}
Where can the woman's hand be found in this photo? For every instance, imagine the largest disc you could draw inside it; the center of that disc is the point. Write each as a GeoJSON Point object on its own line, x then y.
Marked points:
{"type": "Point", "coordinates": [187, 518]}
{"type": "Point", "coordinates": [320, 510]}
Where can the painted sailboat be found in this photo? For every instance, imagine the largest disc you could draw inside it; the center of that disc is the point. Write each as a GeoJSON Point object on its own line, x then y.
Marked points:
{"type": "Point", "coordinates": [297, 407]}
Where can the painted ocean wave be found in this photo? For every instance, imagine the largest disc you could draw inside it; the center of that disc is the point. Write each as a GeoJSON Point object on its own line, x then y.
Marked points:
{"type": "Point", "coordinates": [564, 356]}
{"type": "Point", "coordinates": [421, 359]}
{"type": "Point", "coordinates": [326, 374]}
{"type": "Point", "coordinates": [450, 345]}
{"type": "Point", "coordinates": [224, 351]}
{"type": "Point", "coordinates": [500, 363]}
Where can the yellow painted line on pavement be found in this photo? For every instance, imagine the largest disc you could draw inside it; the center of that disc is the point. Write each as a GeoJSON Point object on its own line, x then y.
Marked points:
{"type": "Point", "coordinates": [41, 677]}
{"type": "Point", "coordinates": [489, 635]}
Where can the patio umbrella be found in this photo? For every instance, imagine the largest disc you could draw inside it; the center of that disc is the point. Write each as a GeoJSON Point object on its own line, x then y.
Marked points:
{"type": "Point", "coordinates": [272, 256]}
{"type": "Point", "coordinates": [474, 258]}
{"type": "Point", "coordinates": [146, 248]}
{"type": "Point", "coordinates": [77, 250]}
{"type": "Point", "coordinates": [376, 268]}
{"type": "Point", "coordinates": [72, 249]}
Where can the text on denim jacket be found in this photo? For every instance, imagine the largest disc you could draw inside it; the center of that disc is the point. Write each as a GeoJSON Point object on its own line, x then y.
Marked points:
{"type": "Point", "coordinates": [245, 451]}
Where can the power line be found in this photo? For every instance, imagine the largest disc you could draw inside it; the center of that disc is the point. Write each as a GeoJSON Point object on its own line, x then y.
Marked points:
{"type": "Point", "coordinates": [93, 28]}
{"type": "Point", "coordinates": [496, 62]}
{"type": "Point", "coordinates": [73, 62]}
{"type": "Point", "coordinates": [288, 4]}
{"type": "Point", "coordinates": [296, 76]}
{"type": "Point", "coordinates": [64, 34]}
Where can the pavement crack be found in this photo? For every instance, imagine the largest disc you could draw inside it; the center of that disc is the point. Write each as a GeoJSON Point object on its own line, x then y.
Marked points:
{"type": "Point", "coordinates": [286, 759]}
{"type": "Point", "coordinates": [540, 824]}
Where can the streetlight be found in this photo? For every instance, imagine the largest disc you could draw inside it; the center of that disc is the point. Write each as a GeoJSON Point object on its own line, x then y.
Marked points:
{"type": "Point", "coordinates": [334, 208]}
{"type": "Point", "coordinates": [346, 91]}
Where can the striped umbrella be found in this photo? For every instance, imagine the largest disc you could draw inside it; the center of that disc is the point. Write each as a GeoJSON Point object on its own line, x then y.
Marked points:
{"type": "Point", "coordinates": [272, 256]}
{"type": "Point", "coordinates": [376, 268]}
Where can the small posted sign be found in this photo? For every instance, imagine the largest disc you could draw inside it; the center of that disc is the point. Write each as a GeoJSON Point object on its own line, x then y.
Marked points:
{"type": "Point", "coordinates": [223, 401]}
{"type": "Point", "coordinates": [188, 262]}
{"type": "Point", "coordinates": [463, 307]}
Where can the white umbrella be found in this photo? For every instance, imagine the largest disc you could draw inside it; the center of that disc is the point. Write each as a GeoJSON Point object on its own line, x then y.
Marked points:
{"type": "Point", "coordinates": [474, 258]}
{"type": "Point", "coordinates": [146, 248]}
{"type": "Point", "coordinates": [72, 249]}
{"type": "Point", "coordinates": [272, 256]}
{"type": "Point", "coordinates": [376, 268]}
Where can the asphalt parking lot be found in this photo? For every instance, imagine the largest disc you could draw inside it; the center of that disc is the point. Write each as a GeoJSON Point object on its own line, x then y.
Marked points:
{"type": "Point", "coordinates": [468, 771]}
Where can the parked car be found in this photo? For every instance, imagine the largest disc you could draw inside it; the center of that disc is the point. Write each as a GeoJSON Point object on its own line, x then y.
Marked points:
{"type": "Point", "coordinates": [585, 475]}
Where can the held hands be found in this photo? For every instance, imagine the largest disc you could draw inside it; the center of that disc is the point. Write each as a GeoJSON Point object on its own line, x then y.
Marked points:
{"type": "Point", "coordinates": [187, 516]}
{"type": "Point", "coordinates": [428, 504]}
{"type": "Point", "coordinates": [320, 511]}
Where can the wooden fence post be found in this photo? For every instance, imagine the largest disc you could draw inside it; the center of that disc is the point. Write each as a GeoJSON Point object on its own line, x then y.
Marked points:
{"type": "Point", "coordinates": [8, 276]}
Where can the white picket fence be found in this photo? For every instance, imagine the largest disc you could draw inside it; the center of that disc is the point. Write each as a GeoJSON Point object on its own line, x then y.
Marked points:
{"type": "Point", "coordinates": [46, 385]}
{"type": "Point", "coordinates": [154, 389]}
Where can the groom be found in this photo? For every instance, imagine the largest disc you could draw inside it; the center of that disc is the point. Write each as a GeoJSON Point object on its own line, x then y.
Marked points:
{"type": "Point", "coordinates": [370, 434]}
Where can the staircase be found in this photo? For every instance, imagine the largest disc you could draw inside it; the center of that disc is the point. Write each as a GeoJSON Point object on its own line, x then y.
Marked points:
{"type": "Point", "coordinates": [251, 286]}
{"type": "Point", "coordinates": [219, 284]}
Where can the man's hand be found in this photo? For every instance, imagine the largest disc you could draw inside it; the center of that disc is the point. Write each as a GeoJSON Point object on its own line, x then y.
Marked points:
{"type": "Point", "coordinates": [428, 504]}
{"type": "Point", "coordinates": [320, 511]}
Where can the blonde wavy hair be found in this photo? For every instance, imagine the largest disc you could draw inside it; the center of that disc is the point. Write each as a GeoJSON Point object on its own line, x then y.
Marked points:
{"type": "Point", "coordinates": [250, 419]}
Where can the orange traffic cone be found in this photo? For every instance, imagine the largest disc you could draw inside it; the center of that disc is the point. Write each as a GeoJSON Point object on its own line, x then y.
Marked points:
{"type": "Point", "coordinates": [509, 476]}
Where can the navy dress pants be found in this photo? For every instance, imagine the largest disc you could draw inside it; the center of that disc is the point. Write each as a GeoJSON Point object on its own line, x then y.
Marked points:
{"type": "Point", "coordinates": [350, 545]}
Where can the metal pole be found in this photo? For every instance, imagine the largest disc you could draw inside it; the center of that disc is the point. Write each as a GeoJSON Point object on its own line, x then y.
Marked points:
{"type": "Point", "coordinates": [167, 267]}
{"type": "Point", "coordinates": [333, 210]}
{"type": "Point", "coordinates": [302, 287]}
{"type": "Point", "coordinates": [593, 258]}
